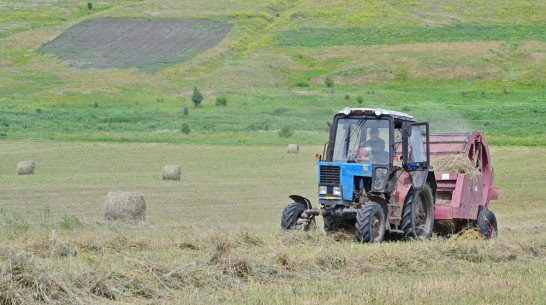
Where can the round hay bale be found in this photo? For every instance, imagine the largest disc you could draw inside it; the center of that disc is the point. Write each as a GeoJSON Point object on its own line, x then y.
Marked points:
{"type": "Point", "coordinates": [171, 172]}
{"type": "Point", "coordinates": [26, 168]}
{"type": "Point", "coordinates": [125, 206]}
{"type": "Point", "coordinates": [293, 149]}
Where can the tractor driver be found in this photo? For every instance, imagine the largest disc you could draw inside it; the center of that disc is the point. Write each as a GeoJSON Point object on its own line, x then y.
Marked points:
{"type": "Point", "coordinates": [377, 145]}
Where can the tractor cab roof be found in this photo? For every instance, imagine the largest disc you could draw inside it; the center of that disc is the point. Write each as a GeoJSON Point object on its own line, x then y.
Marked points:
{"type": "Point", "coordinates": [377, 112]}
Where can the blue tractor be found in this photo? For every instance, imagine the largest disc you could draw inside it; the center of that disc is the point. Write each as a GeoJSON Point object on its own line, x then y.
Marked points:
{"type": "Point", "coordinates": [373, 178]}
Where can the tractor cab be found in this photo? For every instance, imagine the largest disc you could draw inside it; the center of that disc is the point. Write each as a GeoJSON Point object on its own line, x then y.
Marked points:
{"type": "Point", "coordinates": [367, 151]}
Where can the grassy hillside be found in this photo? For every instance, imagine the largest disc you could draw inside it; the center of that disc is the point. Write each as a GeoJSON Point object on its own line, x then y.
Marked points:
{"type": "Point", "coordinates": [214, 237]}
{"type": "Point", "coordinates": [479, 64]}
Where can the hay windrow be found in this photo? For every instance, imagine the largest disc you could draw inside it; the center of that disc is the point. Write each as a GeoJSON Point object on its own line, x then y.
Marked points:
{"type": "Point", "coordinates": [459, 164]}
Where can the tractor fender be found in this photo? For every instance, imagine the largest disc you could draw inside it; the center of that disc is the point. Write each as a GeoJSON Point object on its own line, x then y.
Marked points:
{"type": "Point", "coordinates": [302, 200]}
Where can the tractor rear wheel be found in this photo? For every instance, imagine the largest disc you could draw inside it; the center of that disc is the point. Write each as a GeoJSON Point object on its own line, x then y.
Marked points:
{"type": "Point", "coordinates": [370, 223]}
{"type": "Point", "coordinates": [291, 214]}
{"type": "Point", "coordinates": [418, 213]}
{"type": "Point", "coordinates": [487, 224]}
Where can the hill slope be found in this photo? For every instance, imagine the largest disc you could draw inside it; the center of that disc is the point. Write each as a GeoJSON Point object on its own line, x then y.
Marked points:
{"type": "Point", "coordinates": [481, 65]}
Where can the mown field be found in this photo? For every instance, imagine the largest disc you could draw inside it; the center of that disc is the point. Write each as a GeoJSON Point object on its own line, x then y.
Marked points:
{"type": "Point", "coordinates": [214, 236]}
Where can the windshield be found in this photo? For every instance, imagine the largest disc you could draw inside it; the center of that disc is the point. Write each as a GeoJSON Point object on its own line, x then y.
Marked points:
{"type": "Point", "coordinates": [362, 140]}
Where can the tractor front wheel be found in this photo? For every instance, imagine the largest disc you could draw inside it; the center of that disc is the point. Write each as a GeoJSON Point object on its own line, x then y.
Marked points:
{"type": "Point", "coordinates": [418, 213]}
{"type": "Point", "coordinates": [370, 223]}
{"type": "Point", "coordinates": [487, 224]}
{"type": "Point", "coordinates": [291, 214]}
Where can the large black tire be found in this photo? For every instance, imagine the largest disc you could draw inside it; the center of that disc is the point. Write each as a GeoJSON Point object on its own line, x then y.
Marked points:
{"type": "Point", "coordinates": [370, 223]}
{"type": "Point", "coordinates": [487, 224]}
{"type": "Point", "coordinates": [291, 214]}
{"type": "Point", "coordinates": [418, 213]}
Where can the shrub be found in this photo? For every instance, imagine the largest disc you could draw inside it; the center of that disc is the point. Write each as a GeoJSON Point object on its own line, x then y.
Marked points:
{"type": "Point", "coordinates": [89, 5]}
{"type": "Point", "coordinates": [185, 110]}
{"type": "Point", "coordinates": [259, 126]}
{"type": "Point", "coordinates": [359, 99]}
{"type": "Point", "coordinates": [279, 111]}
{"type": "Point", "coordinates": [221, 100]}
{"type": "Point", "coordinates": [196, 97]}
{"type": "Point", "coordinates": [286, 131]}
{"type": "Point", "coordinates": [185, 129]}
{"type": "Point", "coordinates": [329, 82]}
{"type": "Point", "coordinates": [347, 96]}
{"type": "Point", "coordinates": [302, 84]}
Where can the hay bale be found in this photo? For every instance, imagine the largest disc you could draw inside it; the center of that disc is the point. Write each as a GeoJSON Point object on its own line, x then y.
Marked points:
{"type": "Point", "coordinates": [125, 206]}
{"type": "Point", "coordinates": [293, 149]}
{"type": "Point", "coordinates": [171, 172]}
{"type": "Point", "coordinates": [26, 168]}
{"type": "Point", "coordinates": [459, 164]}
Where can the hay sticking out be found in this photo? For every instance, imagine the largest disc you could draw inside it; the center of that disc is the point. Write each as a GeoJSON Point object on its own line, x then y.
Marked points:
{"type": "Point", "coordinates": [125, 206]}
{"type": "Point", "coordinates": [171, 172]}
{"type": "Point", "coordinates": [459, 164]}
{"type": "Point", "coordinates": [26, 168]}
{"type": "Point", "coordinates": [293, 149]}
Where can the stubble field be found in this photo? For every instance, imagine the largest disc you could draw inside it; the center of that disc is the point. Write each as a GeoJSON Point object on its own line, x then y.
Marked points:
{"type": "Point", "coordinates": [214, 236]}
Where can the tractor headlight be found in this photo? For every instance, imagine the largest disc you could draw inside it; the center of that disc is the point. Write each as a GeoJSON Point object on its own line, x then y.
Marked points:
{"type": "Point", "coordinates": [337, 191]}
{"type": "Point", "coordinates": [378, 112]}
{"type": "Point", "coordinates": [322, 190]}
{"type": "Point", "coordinates": [379, 179]}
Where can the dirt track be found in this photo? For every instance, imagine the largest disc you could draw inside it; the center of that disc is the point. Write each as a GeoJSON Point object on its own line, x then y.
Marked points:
{"type": "Point", "coordinates": [148, 44]}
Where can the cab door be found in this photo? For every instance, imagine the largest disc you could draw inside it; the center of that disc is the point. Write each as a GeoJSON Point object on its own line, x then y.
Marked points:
{"type": "Point", "coordinates": [415, 152]}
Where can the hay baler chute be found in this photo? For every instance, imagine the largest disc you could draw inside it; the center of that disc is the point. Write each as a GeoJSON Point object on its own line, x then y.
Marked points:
{"type": "Point", "coordinates": [376, 178]}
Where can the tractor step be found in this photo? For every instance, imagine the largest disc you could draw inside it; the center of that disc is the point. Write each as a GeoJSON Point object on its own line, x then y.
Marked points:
{"type": "Point", "coordinates": [396, 231]}
{"type": "Point", "coordinates": [395, 218]}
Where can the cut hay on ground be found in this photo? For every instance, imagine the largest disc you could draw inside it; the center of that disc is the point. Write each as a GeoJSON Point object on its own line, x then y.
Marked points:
{"type": "Point", "coordinates": [125, 206]}
{"type": "Point", "coordinates": [459, 164]}
{"type": "Point", "coordinates": [26, 168]}
{"type": "Point", "coordinates": [293, 149]}
{"type": "Point", "coordinates": [171, 172]}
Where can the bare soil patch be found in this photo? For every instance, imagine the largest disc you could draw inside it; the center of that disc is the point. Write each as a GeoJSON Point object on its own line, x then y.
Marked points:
{"type": "Point", "coordinates": [148, 44]}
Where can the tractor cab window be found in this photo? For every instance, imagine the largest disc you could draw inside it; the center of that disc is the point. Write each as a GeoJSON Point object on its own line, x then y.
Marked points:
{"type": "Point", "coordinates": [362, 140]}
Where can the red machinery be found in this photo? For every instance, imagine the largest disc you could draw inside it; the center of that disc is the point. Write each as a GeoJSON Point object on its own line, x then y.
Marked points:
{"type": "Point", "coordinates": [461, 196]}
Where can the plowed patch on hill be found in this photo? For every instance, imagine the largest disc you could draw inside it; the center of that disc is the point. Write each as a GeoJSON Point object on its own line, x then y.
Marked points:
{"type": "Point", "coordinates": [148, 44]}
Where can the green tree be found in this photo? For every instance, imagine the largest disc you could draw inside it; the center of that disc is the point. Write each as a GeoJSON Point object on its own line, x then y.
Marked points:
{"type": "Point", "coordinates": [89, 5]}
{"type": "Point", "coordinates": [196, 97]}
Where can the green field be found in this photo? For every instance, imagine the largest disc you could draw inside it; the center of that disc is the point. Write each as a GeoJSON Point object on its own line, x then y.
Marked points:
{"type": "Point", "coordinates": [214, 236]}
{"type": "Point", "coordinates": [481, 66]}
